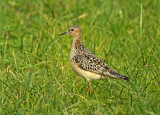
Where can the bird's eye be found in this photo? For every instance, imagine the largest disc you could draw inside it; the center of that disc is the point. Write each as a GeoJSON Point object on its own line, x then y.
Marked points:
{"type": "Point", "coordinates": [72, 29]}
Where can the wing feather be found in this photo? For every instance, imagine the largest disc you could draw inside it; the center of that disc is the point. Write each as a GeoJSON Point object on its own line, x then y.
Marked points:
{"type": "Point", "coordinates": [93, 64]}
{"type": "Point", "coordinates": [90, 63]}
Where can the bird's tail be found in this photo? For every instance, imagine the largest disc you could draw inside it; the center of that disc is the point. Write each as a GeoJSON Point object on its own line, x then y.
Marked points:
{"type": "Point", "coordinates": [114, 74]}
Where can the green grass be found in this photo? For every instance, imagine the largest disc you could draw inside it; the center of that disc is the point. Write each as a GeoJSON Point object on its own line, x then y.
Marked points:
{"type": "Point", "coordinates": [35, 74]}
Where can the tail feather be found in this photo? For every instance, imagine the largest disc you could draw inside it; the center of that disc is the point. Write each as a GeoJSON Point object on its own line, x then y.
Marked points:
{"type": "Point", "coordinates": [114, 74]}
{"type": "Point", "coordinates": [125, 77]}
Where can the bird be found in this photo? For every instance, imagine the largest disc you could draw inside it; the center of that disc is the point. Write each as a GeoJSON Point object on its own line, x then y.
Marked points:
{"type": "Point", "coordinates": [85, 63]}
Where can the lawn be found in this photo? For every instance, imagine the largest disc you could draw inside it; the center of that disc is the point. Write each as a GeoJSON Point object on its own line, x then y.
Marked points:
{"type": "Point", "coordinates": [35, 72]}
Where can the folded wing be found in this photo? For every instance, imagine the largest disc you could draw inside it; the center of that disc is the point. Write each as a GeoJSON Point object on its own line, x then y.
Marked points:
{"type": "Point", "coordinates": [93, 64]}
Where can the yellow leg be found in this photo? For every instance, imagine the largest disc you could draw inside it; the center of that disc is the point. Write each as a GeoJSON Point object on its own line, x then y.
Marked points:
{"type": "Point", "coordinates": [89, 86]}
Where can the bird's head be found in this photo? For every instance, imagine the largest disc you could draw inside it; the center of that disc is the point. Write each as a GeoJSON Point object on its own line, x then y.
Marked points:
{"type": "Point", "coordinates": [73, 31]}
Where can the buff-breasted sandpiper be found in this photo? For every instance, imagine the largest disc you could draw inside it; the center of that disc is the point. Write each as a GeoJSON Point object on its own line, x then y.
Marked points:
{"type": "Point", "coordinates": [85, 63]}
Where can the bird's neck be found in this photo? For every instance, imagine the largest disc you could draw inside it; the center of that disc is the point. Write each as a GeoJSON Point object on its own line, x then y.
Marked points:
{"type": "Point", "coordinates": [77, 42]}
{"type": "Point", "coordinates": [77, 47]}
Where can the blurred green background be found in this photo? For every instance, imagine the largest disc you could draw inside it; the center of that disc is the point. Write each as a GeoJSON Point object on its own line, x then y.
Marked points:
{"type": "Point", "coordinates": [35, 73]}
